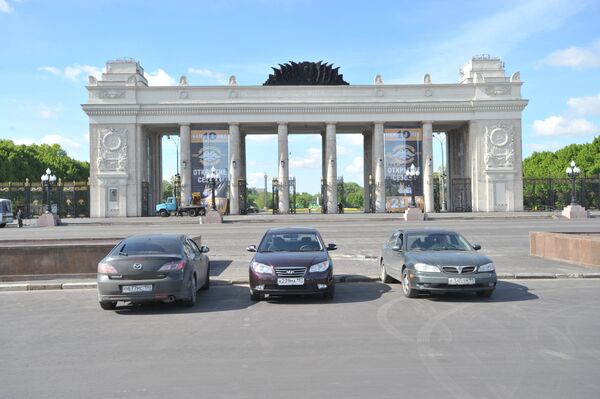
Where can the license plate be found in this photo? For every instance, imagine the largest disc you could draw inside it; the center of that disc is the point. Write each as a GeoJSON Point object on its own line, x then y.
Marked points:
{"type": "Point", "coordinates": [461, 281]}
{"type": "Point", "coordinates": [290, 281]}
{"type": "Point", "coordinates": [132, 289]}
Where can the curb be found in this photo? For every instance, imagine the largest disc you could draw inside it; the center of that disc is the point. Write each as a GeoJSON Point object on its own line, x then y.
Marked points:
{"type": "Point", "coordinates": [352, 278]}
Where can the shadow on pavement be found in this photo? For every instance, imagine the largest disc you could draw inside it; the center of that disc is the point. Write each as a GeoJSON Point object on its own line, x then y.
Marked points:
{"type": "Point", "coordinates": [344, 293]}
{"type": "Point", "coordinates": [505, 292]}
{"type": "Point", "coordinates": [217, 267]}
{"type": "Point", "coordinates": [220, 298]}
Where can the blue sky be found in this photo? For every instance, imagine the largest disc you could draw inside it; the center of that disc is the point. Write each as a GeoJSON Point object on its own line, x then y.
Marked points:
{"type": "Point", "coordinates": [48, 48]}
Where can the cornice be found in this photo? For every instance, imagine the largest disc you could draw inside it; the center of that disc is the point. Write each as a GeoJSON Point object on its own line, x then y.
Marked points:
{"type": "Point", "coordinates": [305, 108]}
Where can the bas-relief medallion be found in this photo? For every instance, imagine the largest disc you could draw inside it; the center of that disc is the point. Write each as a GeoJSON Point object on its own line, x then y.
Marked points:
{"type": "Point", "coordinates": [112, 149]}
{"type": "Point", "coordinates": [499, 146]}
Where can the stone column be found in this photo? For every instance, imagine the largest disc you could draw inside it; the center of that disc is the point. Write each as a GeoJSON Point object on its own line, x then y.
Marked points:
{"type": "Point", "coordinates": [284, 171]}
{"type": "Point", "coordinates": [140, 166]}
{"type": "Point", "coordinates": [243, 156]}
{"type": "Point", "coordinates": [235, 160]}
{"type": "Point", "coordinates": [378, 169]}
{"type": "Point", "coordinates": [428, 166]}
{"type": "Point", "coordinates": [367, 168]}
{"type": "Point", "coordinates": [185, 158]}
{"type": "Point", "coordinates": [331, 164]}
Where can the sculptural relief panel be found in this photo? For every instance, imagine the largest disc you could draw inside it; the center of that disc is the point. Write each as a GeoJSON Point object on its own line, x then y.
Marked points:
{"type": "Point", "coordinates": [499, 145]}
{"type": "Point", "coordinates": [112, 149]}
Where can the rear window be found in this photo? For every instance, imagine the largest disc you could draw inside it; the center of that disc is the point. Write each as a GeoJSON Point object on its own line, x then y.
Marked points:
{"type": "Point", "coordinates": [147, 245]}
{"type": "Point", "coordinates": [5, 207]}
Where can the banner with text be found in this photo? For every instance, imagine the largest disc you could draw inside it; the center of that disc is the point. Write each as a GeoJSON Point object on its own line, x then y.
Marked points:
{"type": "Point", "coordinates": [402, 148]}
{"type": "Point", "coordinates": [209, 147]}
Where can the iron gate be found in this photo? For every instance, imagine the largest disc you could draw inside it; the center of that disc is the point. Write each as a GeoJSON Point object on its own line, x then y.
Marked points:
{"type": "Point", "coordinates": [461, 195]}
{"type": "Point", "coordinates": [243, 196]}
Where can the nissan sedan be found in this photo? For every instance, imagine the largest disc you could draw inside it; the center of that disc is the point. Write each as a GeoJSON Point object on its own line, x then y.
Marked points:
{"type": "Point", "coordinates": [156, 267]}
{"type": "Point", "coordinates": [442, 261]}
{"type": "Point", "coordinates": [291, 261]}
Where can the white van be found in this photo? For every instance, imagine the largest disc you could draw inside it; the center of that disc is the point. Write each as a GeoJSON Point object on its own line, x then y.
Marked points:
{"type": "Point", "coordinates": [6, 215]}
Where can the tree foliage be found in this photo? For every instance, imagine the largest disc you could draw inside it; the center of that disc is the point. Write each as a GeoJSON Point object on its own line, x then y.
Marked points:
{"type": "Point", "coordinates": [553, 164]}
{"type": "Point", "coordinates": [354, 195]}
{"type": "Point", "coordinates": [20, 162]}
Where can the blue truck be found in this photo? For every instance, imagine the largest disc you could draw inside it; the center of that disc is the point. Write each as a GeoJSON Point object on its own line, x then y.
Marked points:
{"type": "Point", "coordinates": [170, 207]}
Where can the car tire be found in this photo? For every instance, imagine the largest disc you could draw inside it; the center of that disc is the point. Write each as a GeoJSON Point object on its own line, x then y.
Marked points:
{"type": "Point", "coordinates": [2, 225]}
{"type": "Point", "coordinates": [207, 282]}
{"type": "Point", "coordinates": [385, 278]}
{"type": "Point", "coordinates": [108, 305]}
{"type": "Point", "coordinates": [192, 212]}
{"type": "Point", "coordinates": [256, 296]}
{"type": "Point", "coordinates": [191, 301]}
{"type": "Point", "coordinates": [485, 294]}
{"type": "Point", "coordinates": [163, 213]}
{"type": "Point", "coordinates": [330, 293]}
{"type": "Point", "coordinates": [408, 291]}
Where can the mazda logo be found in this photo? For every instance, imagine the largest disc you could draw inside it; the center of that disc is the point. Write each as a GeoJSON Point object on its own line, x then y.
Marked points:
{"type": "Point", "coordinates": [290, 272]}
{"type": "Point", "coordinates": [137, 266]}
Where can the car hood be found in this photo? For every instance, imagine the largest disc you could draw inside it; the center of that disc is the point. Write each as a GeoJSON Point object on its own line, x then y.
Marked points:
{"type": "Point", "coordinates": [298, 259]}
{"type": "Point", "coordinates": [448, 258]}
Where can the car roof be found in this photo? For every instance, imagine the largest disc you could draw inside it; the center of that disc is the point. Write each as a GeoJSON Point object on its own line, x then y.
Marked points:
{"type": "Point", "coordinates": [287, 230]}
{"type": "Point", "coordinates": [157, 237]}
{"type": "Point", "coordinates": [427, 231]}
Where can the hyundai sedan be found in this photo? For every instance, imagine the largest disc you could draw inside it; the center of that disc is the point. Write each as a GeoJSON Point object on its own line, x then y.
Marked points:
{"type": "Point", "coordinates": [156, 267]}
{"type": "Point", "coordinates": [291, 261]}
{"type": "Point", "coordinates": [425, 260]}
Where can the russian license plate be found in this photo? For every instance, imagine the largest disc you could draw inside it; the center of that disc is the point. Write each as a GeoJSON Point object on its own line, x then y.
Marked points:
{"type": "Point", "coordinates": [461, 281]}
{"type": "Point", "coordinates": [132, 289]}
{"type": "Point", "coordinates": [290, 281]}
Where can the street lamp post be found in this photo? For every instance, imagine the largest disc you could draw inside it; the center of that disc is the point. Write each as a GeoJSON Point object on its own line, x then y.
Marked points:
{"type": "Point", "coordinates": [412, 174]}
{"type": "Point", "coordinates": [48, 180]}
{"type": "Point", "coordinates": [439, 136]}
{"type": "Point", "coordinates": [213, 177]}
{"type": "Point", "coordinates": [572, 173]}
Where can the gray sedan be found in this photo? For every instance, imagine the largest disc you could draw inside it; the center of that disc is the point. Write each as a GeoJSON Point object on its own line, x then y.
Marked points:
{"type": "Point", "coordinates": [425, 260]}
{"type": "Point", "coordinates": [155, 267]}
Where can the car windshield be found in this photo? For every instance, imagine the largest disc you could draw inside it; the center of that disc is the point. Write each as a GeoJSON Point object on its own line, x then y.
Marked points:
{"type": "Point", "coordinates": [147, 245]}
{"type": "Point", "coordinates": [290, 242]}
{"type": "Point", "coordinates": [436, 242]}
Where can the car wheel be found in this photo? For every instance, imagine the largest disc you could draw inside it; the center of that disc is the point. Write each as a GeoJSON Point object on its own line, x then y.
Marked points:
{"type": "Point", "coordinates": [108, 305]}
{"type": "Point", "coordinates": [485, 294]}
{"type": "Point", "coordinates": [164, 213]}
{"type": "Point", "coordinates": [256, 296]}
{"type": "Point", "coordinates": [2, 225]}
{"type": "Point", "coordinates": [191, 301]}
{"type": "Point", "coordinates": [207, 282]}
{"type": "Point", "coordinates": [330, 293]}
{"type": "Point", "coordinates": [192, 212]}
{"type": "Point", "coordinates": [385, 278]}
{"type": "Point", "coordinates": [406, 288]}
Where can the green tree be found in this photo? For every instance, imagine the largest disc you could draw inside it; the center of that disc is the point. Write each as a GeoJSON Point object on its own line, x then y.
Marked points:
{"type": "Point", "coordinates": [20, 162]}
{"type": "Point", "coordinates": [167, 187]}
{"type": "Point", "coordinates": [354, 195]}
{"type": "Point", "coordinates": [303, 200]}
{"type": "Point", "coordinates": [553, 164]}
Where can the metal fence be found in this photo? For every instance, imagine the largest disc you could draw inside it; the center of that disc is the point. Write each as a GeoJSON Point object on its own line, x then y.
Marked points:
{"type": "Point", "coordinates": [548, 194]}
{"type": "Point", "coordinates": [67, 199]}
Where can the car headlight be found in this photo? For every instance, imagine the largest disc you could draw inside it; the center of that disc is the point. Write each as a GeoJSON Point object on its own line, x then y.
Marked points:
{"type": "Point", "coordinates": [423, 267]}
{"type": "Point", "coordinates": [319, 267]}
{"type": "Point", "coordinates": [261, 268]}
{"type": "Point", "coordinates": [488, 267]}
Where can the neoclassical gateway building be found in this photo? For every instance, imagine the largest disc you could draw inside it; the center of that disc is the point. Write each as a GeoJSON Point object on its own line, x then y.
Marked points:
{"type": "Point", "coordinates": [481, 116]}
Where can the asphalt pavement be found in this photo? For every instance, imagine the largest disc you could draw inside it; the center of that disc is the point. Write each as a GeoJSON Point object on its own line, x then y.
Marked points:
{"type": "Point", "coordinates": [532, 339]}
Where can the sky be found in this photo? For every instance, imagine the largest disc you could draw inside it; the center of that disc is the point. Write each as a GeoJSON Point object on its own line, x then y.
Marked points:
{"type": "Point", "coordinates": [49, 47]}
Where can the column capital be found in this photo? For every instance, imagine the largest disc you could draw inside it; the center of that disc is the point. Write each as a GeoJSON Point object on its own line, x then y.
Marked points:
{"type": "Point", "coordinates": [234, 124]}
{"type": "Point", "coordinates": [282, 123]}
{"type": "Point", "coordinates": [330, 123]}
{"type": "Point", "coordinates": [184, 124]}
{"type": "Point", "coordinates": [427, 122]}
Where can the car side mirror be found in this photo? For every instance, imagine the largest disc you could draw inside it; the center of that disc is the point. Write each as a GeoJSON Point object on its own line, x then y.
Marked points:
{"type": "Point", "coordinates": [476, 247]}
{"type": "Point", "coordinates": [396, 248]}
{"type": "Point", "coordinates": [251, 248]}
{"type": "Point", "coordinates": [331, 247]}
{"type": "Point", "coordinates": [204, 249]}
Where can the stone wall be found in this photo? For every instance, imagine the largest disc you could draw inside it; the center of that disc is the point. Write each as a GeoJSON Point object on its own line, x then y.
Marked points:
{"type": "Point", "coordinates": [578, 248]}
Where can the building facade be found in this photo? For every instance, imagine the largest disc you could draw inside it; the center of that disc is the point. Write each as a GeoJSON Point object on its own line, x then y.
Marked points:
{"type": "Point", "coordinates": [481, 116]}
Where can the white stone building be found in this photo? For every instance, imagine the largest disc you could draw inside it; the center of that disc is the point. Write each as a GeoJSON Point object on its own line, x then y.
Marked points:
{"type": "Point", "coordinates": [481, 116]}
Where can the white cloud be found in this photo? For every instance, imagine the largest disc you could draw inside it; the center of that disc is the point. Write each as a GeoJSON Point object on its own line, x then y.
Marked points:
{"type": "Point", "coordinates": [160, 78]}
{"type": "Point", "coordinates": [311, 161]}
{"type": "Point", "coordinates": [352, 139]}
{"type": "Point", "coordinates": [47, 111]}
{"type": "Point", "coordinates": [343, 151]}
{"type": "Point", "coordinates": [540, 147]}
{"type": "Point", "coordinates": [261, 138]}
{"type": "Point", "coordinates": [256, 179]}
{"type": "Point", "coordinates": [5, 6]}
{"type": "Point", "coordinates": [86, 137]}
{"type": "Point", "coordinates": [576, 57]}
{"type": "Point", "coordinates": [64, 142]}
{"type": "Point", "coordinates": [589, 105]}
{"type": "Point", "coordinates": [562, 126]}
{"type": "Point", "coordinates": [218, 77]}
{"type": "Point", "coordinates": [76, 72]}
{"type": "Point", "coordinates": [356, 167]}
{"type": "Point", "coordinates": [23, 141]}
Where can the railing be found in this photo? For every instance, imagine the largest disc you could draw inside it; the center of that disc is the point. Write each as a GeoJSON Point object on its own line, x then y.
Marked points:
{"type": "Point", "coordinates": [548, 194]}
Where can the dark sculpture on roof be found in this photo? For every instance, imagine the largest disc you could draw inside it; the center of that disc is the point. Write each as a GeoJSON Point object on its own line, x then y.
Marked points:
{"type": "Point", "coordinates": [305, 73]}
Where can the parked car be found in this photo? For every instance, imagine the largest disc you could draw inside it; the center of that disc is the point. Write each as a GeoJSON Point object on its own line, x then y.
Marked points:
{"type": "Point", "coordinates": [291, 261]}
{"type": "Point", "coordinates": [252, 209]}
{"type": "Point", "coordinates": [154, 267]}
{"type": "Point", "coordinates": [6, 215]}
{"type": "Point", "coordinates": [441, 261]}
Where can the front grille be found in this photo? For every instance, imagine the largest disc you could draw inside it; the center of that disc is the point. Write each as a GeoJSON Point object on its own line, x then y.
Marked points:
{"type": "Point", "coordinates": [459, 269]}
{"type": "Point", "coordinates": [290, 271]}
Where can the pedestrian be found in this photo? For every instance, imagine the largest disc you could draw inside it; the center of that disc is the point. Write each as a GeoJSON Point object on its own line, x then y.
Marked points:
{"type": "Point", "coordinates": [20, 217]}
